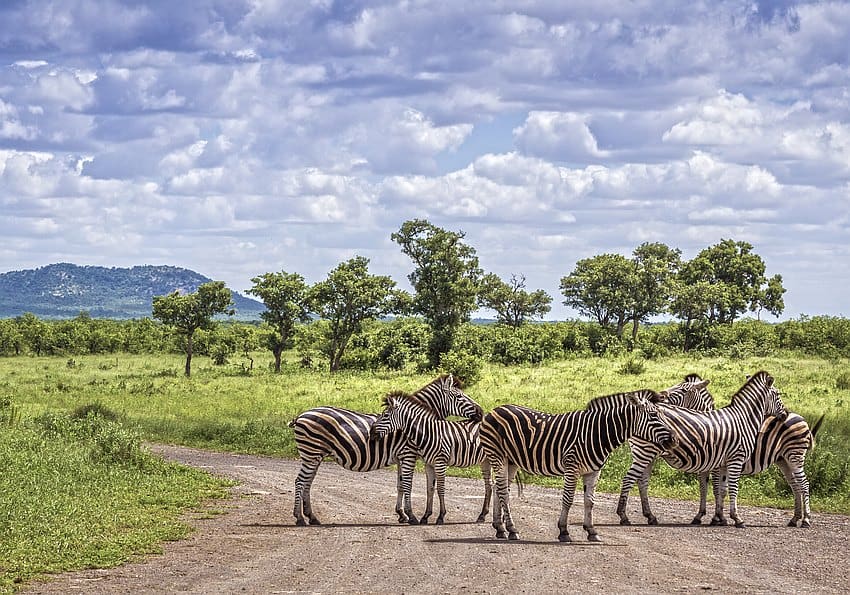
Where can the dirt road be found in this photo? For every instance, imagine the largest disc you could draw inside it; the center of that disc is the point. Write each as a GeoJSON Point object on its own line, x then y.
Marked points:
{"type": "Point", "coordinates": [255, 547]}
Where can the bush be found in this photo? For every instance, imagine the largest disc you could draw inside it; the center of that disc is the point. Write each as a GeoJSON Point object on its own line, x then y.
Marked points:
{"type": "Point", "coordinates": [462, 365]}
{"type": "Point", "coordinates": [633, 367]}
{"type": "Point", "coordinates": [842, 382]}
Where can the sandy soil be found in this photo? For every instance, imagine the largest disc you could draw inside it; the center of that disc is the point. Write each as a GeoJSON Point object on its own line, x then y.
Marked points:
{"type": "Point", "coordinates": [256, 548]}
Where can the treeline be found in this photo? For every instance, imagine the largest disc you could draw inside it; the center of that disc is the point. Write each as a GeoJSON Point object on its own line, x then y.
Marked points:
{"type": "Point", "coordinates": [402, 342]}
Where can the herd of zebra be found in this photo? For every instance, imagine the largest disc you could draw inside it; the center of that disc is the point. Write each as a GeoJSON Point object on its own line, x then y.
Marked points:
{"type": "Point", "coordinates": [680, 425]}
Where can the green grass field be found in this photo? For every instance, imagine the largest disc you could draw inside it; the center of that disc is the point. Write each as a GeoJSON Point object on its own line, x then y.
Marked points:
{"type": "Point", "coordinates": [222, 407]}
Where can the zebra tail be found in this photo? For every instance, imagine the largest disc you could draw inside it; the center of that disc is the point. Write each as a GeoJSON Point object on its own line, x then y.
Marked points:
{"type": "Point", "coordinates": [815, 428]}
{"type": "Point", "coordinates": [291, 424]}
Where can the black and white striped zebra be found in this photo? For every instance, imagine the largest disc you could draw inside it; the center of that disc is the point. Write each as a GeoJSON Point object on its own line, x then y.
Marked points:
{"type": "Point", "coordinates": [784, 443]}
{"type": "Point", "coordinates": [689, 394]}
{"type": "Point", "coordinates": [712, 440]}
{"type": "Point", "coordinates": [344, 435]}
{"type": "Point", "coordinates": [438, 442]}
{"type": "Point", "coordinates": [569, 444]}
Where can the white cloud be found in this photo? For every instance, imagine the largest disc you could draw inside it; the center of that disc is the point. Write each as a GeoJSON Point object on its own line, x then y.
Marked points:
{"type": "Point", "coordinates": [559, 136]}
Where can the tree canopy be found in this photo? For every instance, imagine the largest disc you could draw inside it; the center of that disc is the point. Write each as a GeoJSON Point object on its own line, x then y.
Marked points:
{"type": "Point", "coordinates": [445, 279]}
{"type": "Point", "coordinates": [285, 297]}
{"type": "Point", "coordinates": [192, 311]}
{"type": "Point", "coordinates": [511, 302]}
{"type": "Point", "coordinates": [347, 298]}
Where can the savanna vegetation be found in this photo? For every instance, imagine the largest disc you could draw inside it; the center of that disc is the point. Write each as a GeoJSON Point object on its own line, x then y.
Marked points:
{"type": "Point", "coordinates": [78, 396]}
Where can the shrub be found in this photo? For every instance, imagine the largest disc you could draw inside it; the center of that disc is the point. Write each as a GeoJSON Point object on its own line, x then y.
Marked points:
{"type": "Point", "coordinates": [462, 365]}
{"type": "Point", "coordinates": [633, 367]}
{"type": "Point", "coordinates": [842, 382]}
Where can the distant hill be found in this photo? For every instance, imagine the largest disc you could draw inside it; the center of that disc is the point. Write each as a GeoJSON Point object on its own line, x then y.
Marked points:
{"type": "Point", "coordinates": [63, 290]}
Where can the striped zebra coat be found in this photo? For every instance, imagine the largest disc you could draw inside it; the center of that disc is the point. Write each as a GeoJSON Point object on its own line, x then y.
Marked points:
{"type": "Point", "coordinates": [569, 444]}
{"type": "Point", "coordinates": [344, 435]}
{"type": "Point", "coordinates": [784, 443]}
{"type": "Point", "coordinates": [438, 442]}
{"type": "Point", "coordinates": [706, 441]}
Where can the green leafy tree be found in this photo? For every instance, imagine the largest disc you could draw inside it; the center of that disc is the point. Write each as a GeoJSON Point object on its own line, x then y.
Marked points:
{"type": "Point", "coordinates": [192, 311]}
{"type": "Point", "coordinates": [445, 280]}
{"type": "Point", "coordinates": [37, 334]}
{"type": "Point", "coordinates": [737, 276]}
{"type": "Point", "coordinates": [285, 297]}
{"type": "Point", "coordinates": [347, 298]}
{"type": "Point", "coordinates": [10, 337]}
{"type": "Point", "coordinates": [655, 269]}
{"type": "Point", "coordinates": [511, 302]}
{"type": "Point", "coordinates": [599, 287]}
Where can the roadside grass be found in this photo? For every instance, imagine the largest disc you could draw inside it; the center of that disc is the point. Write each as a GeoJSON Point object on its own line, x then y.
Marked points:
{"type": "Point", "coordinates": [79, 492]}
{"type": "Point", "coordinates": [222, 407]}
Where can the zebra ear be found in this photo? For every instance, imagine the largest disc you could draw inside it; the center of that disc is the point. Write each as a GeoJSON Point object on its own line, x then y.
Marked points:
{"type": "Point", "coordinates": [659, 397]}
{"type": "Point", "coordinates": [702, 384]}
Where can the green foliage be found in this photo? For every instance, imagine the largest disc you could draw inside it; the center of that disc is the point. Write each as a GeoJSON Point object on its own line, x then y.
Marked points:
{"type": "Point", "coordinates": [842, 381]}
{"type": "Point", "coordinates": [446, 280]}
{"type": "Point", "coordinates": [511, 302]}
{"type": "Point", "coordinates": [346, 299]}
{"type": "Point", "coordinates": [285, 297]}
{"type": "Point", "coordinates": [188, 313]}
{"type": "Point", "coordinates": [634, 367]}
{"type": "Point", "coordinates": [464, 366]}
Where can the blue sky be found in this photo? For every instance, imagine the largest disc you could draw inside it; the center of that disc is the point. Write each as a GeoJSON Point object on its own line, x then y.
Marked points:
{"type": "Point", "coordinates": [237, 137]}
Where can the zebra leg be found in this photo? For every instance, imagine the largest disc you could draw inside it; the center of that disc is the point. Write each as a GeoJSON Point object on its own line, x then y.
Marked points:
{"type": "Point", "coordinates": [703, 497]}
{"type": "Point", "coordinates": [399, 499]}
{"type": "Point", "coordinates": [792, 469]}
{"type": "Point", "coordinates": [566, 504]}
{"type": "Point", "coordinates": [734, 474]}
{"type": "Point", "coordinates": [643, 488]}
{"type": "Point", "coordinates": [303, 482]}
{"type": "Point", "coordinates": [488, 490]}
{"type": "Point", "coordinates": [718, 483]}
{"type": "Point", "coordinates": [502, 521]}
{"type": "Point", "coordinates": [430, 479]}
{"type": "Point", "coordinates": [440, 470]}
{"type": "Point", "coordinates": [589, 480]}
{"type": "Point", "coordinates": [629, 480]}
{"type": "Point", "coordinates": [406, 465]}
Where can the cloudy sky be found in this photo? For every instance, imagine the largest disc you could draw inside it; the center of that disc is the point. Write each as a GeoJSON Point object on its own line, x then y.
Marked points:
{"type": "Point", "coordinates": [237, 137]}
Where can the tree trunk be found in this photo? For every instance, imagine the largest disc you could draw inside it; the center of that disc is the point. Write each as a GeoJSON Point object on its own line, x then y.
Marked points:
{"type": "Point", "coordinates": [277, 351]}
{"type": "Point", "coordinates": [189, 354]}
{"type": "Point", "coordinates": [635, 324]}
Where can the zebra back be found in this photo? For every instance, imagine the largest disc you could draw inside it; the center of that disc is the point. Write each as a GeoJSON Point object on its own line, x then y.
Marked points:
{"type": "Point", "coordinates": [539, 442]}
{"type": "Point", "coordinates": [456, 443]}
{"type": "Point", "coordinates": [344, 434]}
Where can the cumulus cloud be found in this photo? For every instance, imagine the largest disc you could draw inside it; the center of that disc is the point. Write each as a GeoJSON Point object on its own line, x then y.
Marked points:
{"type": "Point", "coordinates": [249, 136]}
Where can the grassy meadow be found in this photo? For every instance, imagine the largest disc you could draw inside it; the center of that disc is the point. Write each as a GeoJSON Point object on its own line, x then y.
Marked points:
{"type": "Point", "coordinates": [79, 492]}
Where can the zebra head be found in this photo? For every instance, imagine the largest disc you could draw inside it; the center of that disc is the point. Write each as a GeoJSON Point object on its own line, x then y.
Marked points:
{"type": "Point", "coordinates": [649, 425]}
{"type": "Point", "coordinates": [760, 385]}
{"type": "Point", "coordinates": [690, 394]}
{"type": "Point", "coordinates": [391, 419]}
{"type": "Point", "coordinates": [445, 396]}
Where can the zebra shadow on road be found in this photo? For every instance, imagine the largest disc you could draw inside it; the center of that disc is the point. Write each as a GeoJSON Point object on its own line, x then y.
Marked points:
{"type": "Point", "coordinates": [492, 541]}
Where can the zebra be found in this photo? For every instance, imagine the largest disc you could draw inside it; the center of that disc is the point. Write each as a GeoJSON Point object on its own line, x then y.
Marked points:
{"type": "Point", "coordinates": [784, 443]}
{"type": "Point", "coordinates": [344, 435]}
{"type": "Point", "coordinates": [439, 442]}
{"type": "Point", "coordinates": [567, 444]}
{"type": "Point", "coordinates": [708, 441]}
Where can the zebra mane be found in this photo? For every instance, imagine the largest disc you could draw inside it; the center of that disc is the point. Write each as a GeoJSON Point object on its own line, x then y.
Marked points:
{"type": "Point", "coordinates": [400, 395]}
{"type": "Point", "coordinates": [760, 376]}
{"type": "Point", "coordinates": [606, 401]}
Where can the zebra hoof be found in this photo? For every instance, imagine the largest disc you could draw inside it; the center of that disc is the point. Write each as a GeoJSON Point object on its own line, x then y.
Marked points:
{"type": "Point", "coordinates": [501, 535]}
{"type": "Point", "coordinates": [481, 518]}
{"type": "Point", "coordinates": [440, 521]}
{"type": "Point", "coordinates": [717, 521]}
{"type": "Point", "coordinates": [652, 521]}
{"type": "Point", "coordinates": [412, 521]}
{"type": "Point", "coordinates": [740, 524]}
{"type": "Point", "coordinates": [513, 536]}
{"type": "Point", "coordinates": [625, 521]}
{"type": "Point", "coordinates": [300, 522]}
{"type": "Point", "coordinates": [793, 523]}
{"type": "Point", "coordinates": [805, 525]}
{"type": "Point", "coordinates": [315, 521]}
{"type": "Point", "coordinates": [594, 538]}
{"type": "Point", "coordinates": [564, 537]}
{"type": "Point", "coordinates": [697, 520]}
